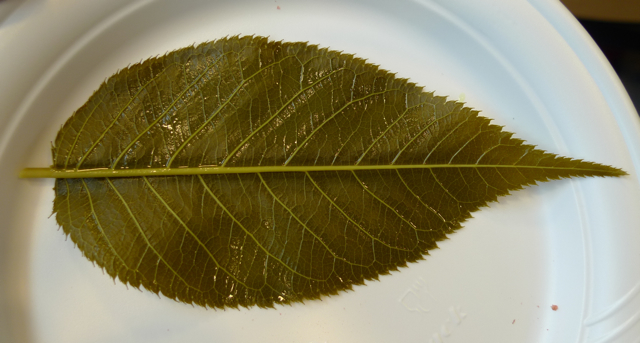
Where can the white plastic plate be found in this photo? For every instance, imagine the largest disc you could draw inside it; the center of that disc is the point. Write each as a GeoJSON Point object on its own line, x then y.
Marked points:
{"type": "Point", "coordinates": [527, 65]}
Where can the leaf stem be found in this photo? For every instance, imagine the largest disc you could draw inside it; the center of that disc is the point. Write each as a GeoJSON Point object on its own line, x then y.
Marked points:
{"type": "Point", "coordinates": [106, 172]}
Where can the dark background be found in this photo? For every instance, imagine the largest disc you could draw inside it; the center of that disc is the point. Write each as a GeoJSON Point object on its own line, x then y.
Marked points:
{"type": "Point", "coordinates": [615, 27]}
{"type": "Point", "coordinates": [620, 42]}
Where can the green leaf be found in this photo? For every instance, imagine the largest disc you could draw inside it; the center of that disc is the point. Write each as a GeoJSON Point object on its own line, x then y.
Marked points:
{"type": "Point", "coordinates": [246, 172]}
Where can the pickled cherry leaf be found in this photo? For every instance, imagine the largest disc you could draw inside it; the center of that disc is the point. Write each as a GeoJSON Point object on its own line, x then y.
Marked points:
{"type": "Point", "coordinates": [330, 172]}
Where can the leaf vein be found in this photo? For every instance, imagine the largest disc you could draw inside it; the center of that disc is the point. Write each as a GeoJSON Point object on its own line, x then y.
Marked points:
{"type": "Point", "coordinates": [351, 219]}
{"type": "Point", "coordinates": [420, 199]}
{"type": "Point", "coordinates": [115, 118]}
{"type": "Point", "coordinates": [418, 135]}
{"type": "Point", "coordinates": [285, 105]}
{"type": "Point", "coordinates": [95, 217]}
{"type": "Point", "coordinates": [487, 184]}
{"type": "Point", "coordinates": [350, 102]}
{"type": "Point", "coordinates": [464, 145]}
{"type": "Point", "coordinates": [306, 228]}
{"type": "Point", "coordinates": [146, 239]}
{"type": "Point", "coordinates": [188, 230]}
{"type": "Point", "coordinates": [195, 81]}
{"type": "Point", "coordinates": [213, 115]}
{"type": "Point", "coordinates": [444, 138]}
{"type": "Point", "coordinates": [224, 208]}
{"type": "Point", "coordinates": [387, 130]}
{"type": "Point", "coordinates": [446, 190]}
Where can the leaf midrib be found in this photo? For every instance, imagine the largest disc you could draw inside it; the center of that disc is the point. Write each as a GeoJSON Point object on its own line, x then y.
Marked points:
{"type": "Point", "coordinates": [107, 172]}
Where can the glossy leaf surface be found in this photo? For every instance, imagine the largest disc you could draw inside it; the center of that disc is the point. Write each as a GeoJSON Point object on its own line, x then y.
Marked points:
{"type": "Point", "coordinates": [421, 165]}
